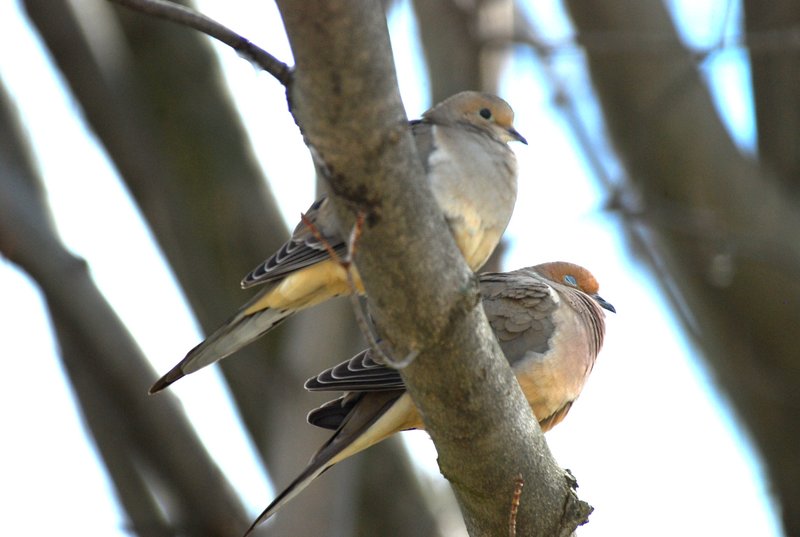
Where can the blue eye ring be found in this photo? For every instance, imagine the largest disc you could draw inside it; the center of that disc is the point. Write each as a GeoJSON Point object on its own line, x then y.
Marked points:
{"type": "Point", "coordinates": [570, 279]}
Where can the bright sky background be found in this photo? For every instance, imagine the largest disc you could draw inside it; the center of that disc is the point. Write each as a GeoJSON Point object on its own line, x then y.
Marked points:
{"type": "Point", "coordinates": [652, 445]}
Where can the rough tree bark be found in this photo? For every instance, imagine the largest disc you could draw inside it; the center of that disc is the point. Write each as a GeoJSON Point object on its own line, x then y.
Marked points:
{"type": "Point", "coordinates": [345, 99]}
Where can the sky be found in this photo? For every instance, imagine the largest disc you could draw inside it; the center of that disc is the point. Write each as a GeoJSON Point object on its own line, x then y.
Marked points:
{"type": "Point", "coordinates": [647, 427]}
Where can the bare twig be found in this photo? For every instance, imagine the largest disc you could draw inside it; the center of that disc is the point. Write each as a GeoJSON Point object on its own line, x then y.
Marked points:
{"type": "Point", "coordinates": [355, 234]}
{"type": "Point", "coordinates": [512, 515]}
{"type": "Point", "coordinates": [312, 227]}
{"type": "Point", "coordinates": [188, 17]}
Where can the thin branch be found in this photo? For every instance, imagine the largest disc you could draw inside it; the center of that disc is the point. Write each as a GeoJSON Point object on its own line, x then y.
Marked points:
{"type": "Point", "coordinates": [188, 17]}
{"type": "Point", "coordinates": [626, 44]}
{"type": "Point", "coordinates": [512, 515]}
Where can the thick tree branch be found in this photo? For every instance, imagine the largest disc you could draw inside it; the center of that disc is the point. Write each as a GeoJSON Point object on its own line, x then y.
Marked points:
{"type": "Point", "coordinates": [186, 16]}
{"type": "Point", "coordinates": [346, 100]}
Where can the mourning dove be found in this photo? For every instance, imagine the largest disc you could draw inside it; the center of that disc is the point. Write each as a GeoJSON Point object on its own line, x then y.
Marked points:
{"type": "Point", "coordinates": [472, 172]}
{"type": "Point", "coordinates": [549, 322]}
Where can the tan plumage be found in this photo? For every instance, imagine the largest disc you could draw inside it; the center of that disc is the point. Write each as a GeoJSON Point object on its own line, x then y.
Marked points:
{"type": "Point", "coordinates": [549, 322]}
{"type": "Point", "coordinates": [462, 142]}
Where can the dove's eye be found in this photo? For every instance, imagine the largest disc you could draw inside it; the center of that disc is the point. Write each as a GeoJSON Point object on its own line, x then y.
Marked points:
{"type": "Point", "coordinates": [570, 279]}
{"type": "Point", "coordinates": [485, 113]}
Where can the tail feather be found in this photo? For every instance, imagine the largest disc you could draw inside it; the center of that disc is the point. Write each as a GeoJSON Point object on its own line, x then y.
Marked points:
{"type": "Point", "coordinates": [361, 428]}
{"type": "Point", "coordinates": [240, 330]}
{"type": "Point", "coordinates": [295, 487]}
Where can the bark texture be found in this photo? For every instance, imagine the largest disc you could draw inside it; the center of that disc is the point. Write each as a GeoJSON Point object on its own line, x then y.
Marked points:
{"type": "Point", "coordinates": [346, 101]}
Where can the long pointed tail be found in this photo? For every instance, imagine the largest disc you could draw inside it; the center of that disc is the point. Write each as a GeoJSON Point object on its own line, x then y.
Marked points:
{"type": "Point", "coordinates": [312, 471]}
{"type": "Point", "coordinates": [373, 417]}
{"type": "Point", "coordinates": [237, 332]}
{"type": "Point", "coordinates": [277, 300]}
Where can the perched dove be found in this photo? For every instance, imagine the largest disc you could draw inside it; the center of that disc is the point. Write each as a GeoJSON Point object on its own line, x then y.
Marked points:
{"type": "Point", "coordinates": [462, 142]}
{"type": "Point", "coordinates": [550, 325]}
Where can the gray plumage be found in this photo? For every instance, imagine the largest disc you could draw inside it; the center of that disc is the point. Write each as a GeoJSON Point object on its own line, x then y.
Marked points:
{"type": "Point", "coordinates": [462, 143]}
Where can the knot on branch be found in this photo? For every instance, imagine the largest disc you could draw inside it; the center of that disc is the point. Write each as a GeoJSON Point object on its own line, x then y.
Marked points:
{"type": "Point", "coordinates": [372, 151]}
{"type": "Point", "coordinates": [467, 299]}
{"type": "Point", "coordinates": [357, 199]}
{"type": "Point", "coordinates": [575, 511]}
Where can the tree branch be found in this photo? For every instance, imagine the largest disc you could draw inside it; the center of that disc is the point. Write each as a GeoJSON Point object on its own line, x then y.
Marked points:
{"type": "Point", "coordinates": [186, 16]}
{"type": "Point", "coordinates": [775, 75]}
{"type": "Point", "coordinates": [452, 50]}
{"type": "Point", "coordinates": [724, 227]}
{"type": "Point", "coordinates": [192, 174]}
{"type": "Point", "coordinates": [195, 180]}
{"type": "Point", "coordinates": [346, 100]}
{"type": "Point", "coordinates": [108, 370]}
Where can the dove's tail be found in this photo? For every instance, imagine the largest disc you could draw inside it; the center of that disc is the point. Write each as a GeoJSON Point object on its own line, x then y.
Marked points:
{"type": "Point", "coordinates": [374, 416]}
{"type": "Point", "coordinates": [240, 330]}
{"type": "Point", "coordinates": [278, 300]}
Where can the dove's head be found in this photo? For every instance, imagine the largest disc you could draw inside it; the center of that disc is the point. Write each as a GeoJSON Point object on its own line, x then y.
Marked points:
{"type": "Point", "coordinates": [576, 276]}
{"type": "Point", "coordinates": [478, 110]}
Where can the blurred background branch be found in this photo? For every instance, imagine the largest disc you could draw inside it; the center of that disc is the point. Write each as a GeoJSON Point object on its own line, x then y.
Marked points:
{"type": "Point", "coordinates": [724, 227]}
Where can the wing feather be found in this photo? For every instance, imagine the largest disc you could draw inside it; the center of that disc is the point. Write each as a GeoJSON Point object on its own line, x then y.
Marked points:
{"type": "Point", "coordinates": [303, 249]}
